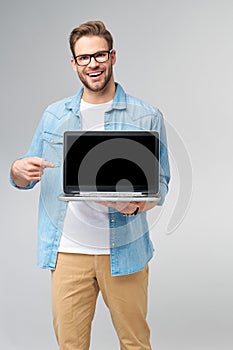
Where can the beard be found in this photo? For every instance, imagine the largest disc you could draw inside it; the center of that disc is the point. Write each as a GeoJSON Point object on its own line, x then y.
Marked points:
{"type": "Point", "coordinates": [99, 86]}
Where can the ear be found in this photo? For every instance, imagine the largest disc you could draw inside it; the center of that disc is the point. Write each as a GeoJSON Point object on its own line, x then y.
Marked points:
{"type": "Point", "coordinates": [113, 57]}
{"type": "Point", "coordinates": [74, 64]}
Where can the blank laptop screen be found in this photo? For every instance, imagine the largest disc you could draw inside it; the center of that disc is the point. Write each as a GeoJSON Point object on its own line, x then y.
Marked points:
{"type": "Point", "coordinates": [114, 161]}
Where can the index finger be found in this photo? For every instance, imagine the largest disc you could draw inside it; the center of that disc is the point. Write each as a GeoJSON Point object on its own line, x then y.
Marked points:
{"type": "Point", "coordinates": [46, 164]}
{"type": "Point", "coordinates": [41, 162]}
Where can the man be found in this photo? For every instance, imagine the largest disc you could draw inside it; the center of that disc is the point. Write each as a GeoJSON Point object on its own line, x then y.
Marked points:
{"type": "Point", "coordinates": [112, 248]}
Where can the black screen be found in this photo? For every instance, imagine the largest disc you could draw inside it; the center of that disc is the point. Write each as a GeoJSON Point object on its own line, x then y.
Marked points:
{"type": "Point", "coordinates": [111, 161]}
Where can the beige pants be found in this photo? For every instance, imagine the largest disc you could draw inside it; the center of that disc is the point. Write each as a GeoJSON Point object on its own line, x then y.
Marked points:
{"type": "Point", "coordinates": [75, 286]}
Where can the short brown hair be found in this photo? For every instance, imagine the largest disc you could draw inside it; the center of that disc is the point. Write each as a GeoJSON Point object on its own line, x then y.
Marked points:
{"type": "Point", "coordinates": [90, 28]}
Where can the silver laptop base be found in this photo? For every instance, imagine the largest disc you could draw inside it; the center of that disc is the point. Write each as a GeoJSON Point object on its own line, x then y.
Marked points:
{"type": "Point", "coordinates": [110, 197]}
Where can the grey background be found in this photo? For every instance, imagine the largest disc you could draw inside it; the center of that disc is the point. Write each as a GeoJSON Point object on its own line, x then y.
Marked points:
{"type": "Point", "coordinates": [174, 54]}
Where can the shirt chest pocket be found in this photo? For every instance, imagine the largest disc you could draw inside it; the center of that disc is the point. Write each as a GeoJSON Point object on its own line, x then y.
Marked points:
{"type": "Point", "coordinates": [53, 148]}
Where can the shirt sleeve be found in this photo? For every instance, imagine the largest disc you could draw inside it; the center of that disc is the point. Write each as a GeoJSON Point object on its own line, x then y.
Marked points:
{"type": "Point", "coordinates": [35, 150]}
{"type": "Point", "coordinates": [164, 159]}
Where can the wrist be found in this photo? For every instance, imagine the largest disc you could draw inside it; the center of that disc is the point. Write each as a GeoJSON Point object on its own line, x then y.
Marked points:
{"type": "Point", "coordinates": [16, 176]}
{"type": "Point", "coordinates": [133, 213]}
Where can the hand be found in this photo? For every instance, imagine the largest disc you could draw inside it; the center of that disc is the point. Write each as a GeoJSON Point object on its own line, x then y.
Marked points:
{"type": "Point", "coordinates": [25, 170]}
{"type": "Point", "coordinates": [126, 208]}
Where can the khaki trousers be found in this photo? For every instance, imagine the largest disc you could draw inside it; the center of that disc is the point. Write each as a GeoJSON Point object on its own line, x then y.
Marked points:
{"type": "Point", "coordinates": [76, 283]}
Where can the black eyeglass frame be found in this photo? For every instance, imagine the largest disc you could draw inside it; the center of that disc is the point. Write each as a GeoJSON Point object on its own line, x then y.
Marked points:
{"type": "Point", "coordinates": [93, 55]}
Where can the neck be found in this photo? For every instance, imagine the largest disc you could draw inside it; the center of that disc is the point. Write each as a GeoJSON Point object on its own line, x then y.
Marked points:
{"type": "Point", "coordinates": [96, 97]}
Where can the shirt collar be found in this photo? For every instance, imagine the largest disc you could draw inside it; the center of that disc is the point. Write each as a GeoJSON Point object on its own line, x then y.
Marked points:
{"type": "Point", "coordinates": [119, 101]}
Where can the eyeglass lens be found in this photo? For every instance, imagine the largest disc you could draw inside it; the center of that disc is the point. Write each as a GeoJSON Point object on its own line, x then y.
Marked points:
{"type": "Point", "coordinates": [84, 60]}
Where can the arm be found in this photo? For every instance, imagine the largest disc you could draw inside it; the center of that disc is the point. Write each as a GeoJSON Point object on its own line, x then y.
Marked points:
{"type": "Point", "coordinates": [28, 170]}
{"type": "Point", "coordinates": [164, 160]}
{"type": "Point", "coordinates": [130, 208]}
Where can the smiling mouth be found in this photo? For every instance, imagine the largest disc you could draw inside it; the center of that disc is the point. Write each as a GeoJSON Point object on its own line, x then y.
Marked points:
{"type": "Point", "coordinates": [94, 75]}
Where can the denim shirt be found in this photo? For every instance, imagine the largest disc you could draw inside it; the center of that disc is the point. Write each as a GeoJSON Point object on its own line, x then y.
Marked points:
{"type": "Point", "coordinates": [130, 244]}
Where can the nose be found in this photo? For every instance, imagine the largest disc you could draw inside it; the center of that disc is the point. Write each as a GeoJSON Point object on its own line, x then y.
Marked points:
{"type": "Point", "coordinates": [93, 62]}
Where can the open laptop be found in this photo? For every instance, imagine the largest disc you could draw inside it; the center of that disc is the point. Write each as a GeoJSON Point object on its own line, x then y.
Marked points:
{"type": "Point", "coordinates": [111, 166]}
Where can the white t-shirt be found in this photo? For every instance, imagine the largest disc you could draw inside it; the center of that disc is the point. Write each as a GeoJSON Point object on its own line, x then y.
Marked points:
{"type": "Point", "coordinates": [86, 225]}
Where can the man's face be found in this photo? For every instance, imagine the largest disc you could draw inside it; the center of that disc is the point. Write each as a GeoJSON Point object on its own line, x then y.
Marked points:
{"type": "Point", "coordinates": [95, 76]}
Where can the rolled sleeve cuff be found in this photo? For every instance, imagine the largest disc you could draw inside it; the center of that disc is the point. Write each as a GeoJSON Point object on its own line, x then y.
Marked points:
{"type": "Point", "coordinates": [28, 187]}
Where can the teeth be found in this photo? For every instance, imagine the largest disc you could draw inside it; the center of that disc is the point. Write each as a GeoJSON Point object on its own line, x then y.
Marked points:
{"type": "Point", "coordinates": [94, 74]}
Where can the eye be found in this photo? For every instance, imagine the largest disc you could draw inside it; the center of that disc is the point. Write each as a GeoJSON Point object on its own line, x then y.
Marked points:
{"type": "Point", "coordinates": [101, 54]}
{"type": "Point", "coordinates": [83, 58]}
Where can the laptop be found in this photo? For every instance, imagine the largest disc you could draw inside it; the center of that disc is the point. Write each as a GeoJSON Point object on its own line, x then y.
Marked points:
{"type": "Point", "coordinates": [111, 166]}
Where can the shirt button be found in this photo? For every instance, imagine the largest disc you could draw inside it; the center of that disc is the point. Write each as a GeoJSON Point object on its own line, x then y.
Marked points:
{"type": "Point", "coordinates": [112, 220]}
{"type": "Point", "coordinates": [113, 244]}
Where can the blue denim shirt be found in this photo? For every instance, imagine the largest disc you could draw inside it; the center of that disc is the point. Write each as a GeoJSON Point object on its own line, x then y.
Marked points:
{"type": "Point", "coordinates": [130, 244]}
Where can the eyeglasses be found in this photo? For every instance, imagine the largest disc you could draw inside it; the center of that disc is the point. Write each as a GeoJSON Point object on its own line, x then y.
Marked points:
{"type": "Point", "coordinates": [100, 57]}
